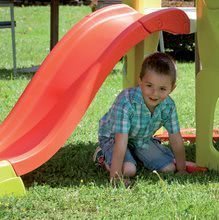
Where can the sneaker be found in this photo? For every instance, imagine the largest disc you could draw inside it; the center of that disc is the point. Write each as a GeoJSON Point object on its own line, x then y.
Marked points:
{"type": "Point", "coordinates": [99, 159]}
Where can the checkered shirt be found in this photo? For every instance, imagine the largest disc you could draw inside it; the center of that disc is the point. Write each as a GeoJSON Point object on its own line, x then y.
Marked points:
{"type": "Point", "coordinates": [129, 114]}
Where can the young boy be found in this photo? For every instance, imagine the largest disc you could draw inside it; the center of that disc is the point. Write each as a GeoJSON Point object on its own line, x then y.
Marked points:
{"type": "Point", "coordinates": [126, 130]}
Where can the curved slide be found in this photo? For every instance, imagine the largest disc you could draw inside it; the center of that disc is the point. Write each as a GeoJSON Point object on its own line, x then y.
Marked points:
{"type": "Point", "coordinates": [60, 92]}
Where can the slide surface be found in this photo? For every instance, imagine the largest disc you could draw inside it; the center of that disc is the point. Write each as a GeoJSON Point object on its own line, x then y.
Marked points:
{"type": "Point", "coordinates": [62, 89]}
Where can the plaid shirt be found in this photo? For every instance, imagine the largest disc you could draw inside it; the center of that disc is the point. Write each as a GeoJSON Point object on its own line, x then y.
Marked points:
{"type": "Point", "coordinates": [129, 114]}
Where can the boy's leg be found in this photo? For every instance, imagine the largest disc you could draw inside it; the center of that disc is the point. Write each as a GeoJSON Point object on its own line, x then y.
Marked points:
{"type": "Point", "coordinates": [129, 169]}
{"type": "Point", "coordinates": [129, 164]}
{"type": "Point", "coordinates": [156, 157]}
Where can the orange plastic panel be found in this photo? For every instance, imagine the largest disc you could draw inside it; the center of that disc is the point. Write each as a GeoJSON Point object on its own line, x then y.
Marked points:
{"type": "Point", "coordinates": [60, 92]}
{"type": "Point", "coordinates": [188, 134]}
{"type": "Point", "coordinates": [171, 20]}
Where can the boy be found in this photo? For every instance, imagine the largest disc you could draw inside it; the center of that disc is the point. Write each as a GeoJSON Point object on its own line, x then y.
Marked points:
{"type": "Point", "coordinates": [126, 130]}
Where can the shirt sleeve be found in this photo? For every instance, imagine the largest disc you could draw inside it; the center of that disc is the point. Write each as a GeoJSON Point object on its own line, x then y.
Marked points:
{"type": "Point", "coordinates": [120, 113]}
{"type": "Point", "coordinates": [172, 123]}
{"type": "Point", "coordinates": [121, 121]}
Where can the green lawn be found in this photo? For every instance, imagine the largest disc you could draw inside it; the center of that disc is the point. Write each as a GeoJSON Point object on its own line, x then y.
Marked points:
{"type": "Point", "coordinates": [69, 186]}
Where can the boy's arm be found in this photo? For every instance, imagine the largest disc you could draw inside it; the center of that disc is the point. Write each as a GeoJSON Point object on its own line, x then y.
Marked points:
{"type": "Point", "coordinates": [177, 145]}
{"type": "Point", "coordinates": [121, 142]}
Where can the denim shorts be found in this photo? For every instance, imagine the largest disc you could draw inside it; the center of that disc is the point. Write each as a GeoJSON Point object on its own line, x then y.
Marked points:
{"type": "Point", "coordinates": [154, 157]}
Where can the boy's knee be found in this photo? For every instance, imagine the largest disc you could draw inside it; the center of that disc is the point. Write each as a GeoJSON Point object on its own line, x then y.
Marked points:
{"type": "Point", "coordinates": [129, 169]}
{"type": "Point", "coordinates": [169, 168]}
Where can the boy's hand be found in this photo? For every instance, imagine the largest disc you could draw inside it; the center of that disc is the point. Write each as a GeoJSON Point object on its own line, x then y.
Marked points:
{"type": "Point", "coordinates": [176, 143]}
{"type": "Point", "coordinates": [120, 147]}
{"type": "Point", "coordinates": [182, 172]}
{"type": "Point", "coordinates": [127, 183]}
{"type": "Point", "coordinates": [118, 181]}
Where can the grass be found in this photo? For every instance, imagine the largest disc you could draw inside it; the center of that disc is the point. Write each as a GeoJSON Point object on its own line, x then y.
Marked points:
{"type": "Point", "coordinates": [69, 186]}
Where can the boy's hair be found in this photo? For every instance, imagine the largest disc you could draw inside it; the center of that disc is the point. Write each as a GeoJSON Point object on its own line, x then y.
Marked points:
{"type": "Point", "coordinates": [161, 63]}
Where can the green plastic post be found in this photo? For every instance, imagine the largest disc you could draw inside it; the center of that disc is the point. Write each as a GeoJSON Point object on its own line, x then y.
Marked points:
{"type": "Point", "coordinates": [10, 184]}
{"type": "Point", "coordinates": [207, 80]}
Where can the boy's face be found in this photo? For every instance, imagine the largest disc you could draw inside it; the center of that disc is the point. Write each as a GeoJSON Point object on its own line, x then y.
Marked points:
{"type": "Point", "coordinates": [155, 88]}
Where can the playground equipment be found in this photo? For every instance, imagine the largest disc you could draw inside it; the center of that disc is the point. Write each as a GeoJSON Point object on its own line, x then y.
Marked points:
{"type": "Point", "coordinates": [188, 134]}
{"type": "Point", "coordinates": [66, 85]}
{"type": "Point", "coordinates": [10, 183]}
{"type": "Point", "coordinates": [207, 80]}
{"type": "Point", "coordinates": [135, 56]}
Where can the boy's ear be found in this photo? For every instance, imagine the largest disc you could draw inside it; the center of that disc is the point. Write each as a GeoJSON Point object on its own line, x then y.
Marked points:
{"type": "Point", "coordinates": [173, 87]}
{"type": "Point", "coordinates": [139, 81]}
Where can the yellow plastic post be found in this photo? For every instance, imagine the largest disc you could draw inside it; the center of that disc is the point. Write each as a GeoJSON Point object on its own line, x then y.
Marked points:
{"type": "Point", "coordinates": [207, 80]}
{"type": "Point", "coordinates": [10, 184]}
{"type": "Point", "coordinates": [140, 5]}
{"type": "Point", "coordinates": [135, 56]}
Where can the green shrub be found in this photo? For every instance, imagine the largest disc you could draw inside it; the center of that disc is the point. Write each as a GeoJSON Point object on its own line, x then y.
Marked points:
{"type": "Point", "coordinates": [181, 47]}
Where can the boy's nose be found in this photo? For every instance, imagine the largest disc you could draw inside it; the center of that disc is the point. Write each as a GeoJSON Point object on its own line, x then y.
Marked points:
{"type": "Point", "coordinates": [155, 92]}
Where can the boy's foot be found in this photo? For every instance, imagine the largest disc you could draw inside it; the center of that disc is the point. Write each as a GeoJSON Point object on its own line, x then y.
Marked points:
{"type": "Point", "coordinates": [99, 159]}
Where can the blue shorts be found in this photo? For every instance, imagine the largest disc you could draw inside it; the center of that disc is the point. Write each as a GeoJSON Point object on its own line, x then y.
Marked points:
{"type": "Point", "coordinates": [154, 157]}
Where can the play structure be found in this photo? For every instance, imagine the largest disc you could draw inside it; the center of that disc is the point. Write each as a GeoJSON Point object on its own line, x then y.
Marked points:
{"type": "Point", "coordinates": [188, 134]}
{"type": "Point", "coordinates": [60, 92]}
{"type": "Point", "coordinates": [207, 91]}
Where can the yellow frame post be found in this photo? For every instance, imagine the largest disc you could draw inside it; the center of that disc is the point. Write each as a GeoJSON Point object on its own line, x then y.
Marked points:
{"type": "Point", "coordinates": [207, 80]}
{"type": "Point", "coordinates": [10, 183]}
{"type": "Point", "coordinates": [135, 56]}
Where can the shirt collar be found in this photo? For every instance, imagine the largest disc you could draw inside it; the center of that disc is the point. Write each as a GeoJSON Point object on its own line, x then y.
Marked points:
{"type": "Point", "coordinates": [137, 96]}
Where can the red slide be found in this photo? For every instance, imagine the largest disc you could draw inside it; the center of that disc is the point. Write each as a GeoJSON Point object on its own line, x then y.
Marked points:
{"type": "Point", "coordinates": [62, 89]}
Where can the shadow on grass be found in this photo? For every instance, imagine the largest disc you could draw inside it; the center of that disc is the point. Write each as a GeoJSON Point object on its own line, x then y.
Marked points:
{"type": "Point", "coordinates": [7, 74]}
{"type": "Point", "coordinates": [73, 164]}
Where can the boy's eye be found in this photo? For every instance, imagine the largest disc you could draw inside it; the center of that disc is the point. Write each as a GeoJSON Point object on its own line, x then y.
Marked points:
{"type": "Point", "coordinates": [163, 89]}
{"type": "Point", "coordinates": [148, 85]}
